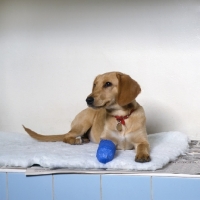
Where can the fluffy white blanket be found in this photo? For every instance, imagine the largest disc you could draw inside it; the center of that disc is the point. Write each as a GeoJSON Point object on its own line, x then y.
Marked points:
{"type": "Point", "coordinates": [19, 150]}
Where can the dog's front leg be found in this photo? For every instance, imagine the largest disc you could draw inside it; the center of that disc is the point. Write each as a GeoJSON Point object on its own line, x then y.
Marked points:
{"type": "Point", "coordinates": [73, 137]}
{"type": "Point", "coordinates": [78, 134]}
{"type": "Point", "coordinates": [80, 126]}
{"type": "Point", "coordinates": [142, 152]}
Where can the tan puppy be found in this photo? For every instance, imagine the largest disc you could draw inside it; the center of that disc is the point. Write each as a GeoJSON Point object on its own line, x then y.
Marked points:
{"type": "Point", "coordinates": [113, 114]}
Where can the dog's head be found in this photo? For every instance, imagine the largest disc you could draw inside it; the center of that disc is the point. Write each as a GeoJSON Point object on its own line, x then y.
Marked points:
{"type": "Point", "coordinates": [113, 88]}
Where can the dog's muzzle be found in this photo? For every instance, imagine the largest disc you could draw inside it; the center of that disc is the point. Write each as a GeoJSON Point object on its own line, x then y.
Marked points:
{"type": "Point", "coordinates": [90, 101]}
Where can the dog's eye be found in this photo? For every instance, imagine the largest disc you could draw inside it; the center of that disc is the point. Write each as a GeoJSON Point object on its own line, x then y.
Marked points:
{"type": "Point", "coordinates": [107, 84]}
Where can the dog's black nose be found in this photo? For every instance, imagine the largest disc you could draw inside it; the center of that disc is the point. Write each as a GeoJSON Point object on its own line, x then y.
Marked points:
{"type": "Point", "coordinates": [90, 100]}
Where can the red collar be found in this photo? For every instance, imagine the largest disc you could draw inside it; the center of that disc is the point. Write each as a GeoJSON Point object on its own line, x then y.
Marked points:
{"type": "Point", "coordinates": [121, 119]}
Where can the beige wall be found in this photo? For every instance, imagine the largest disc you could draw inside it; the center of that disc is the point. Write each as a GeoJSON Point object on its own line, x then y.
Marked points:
{"type": "Point", "coordinates": [50, 53]}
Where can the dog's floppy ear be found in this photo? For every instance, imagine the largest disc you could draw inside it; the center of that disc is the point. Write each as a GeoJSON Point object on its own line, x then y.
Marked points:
{"type": "Point", "coordinates": [128, 89]}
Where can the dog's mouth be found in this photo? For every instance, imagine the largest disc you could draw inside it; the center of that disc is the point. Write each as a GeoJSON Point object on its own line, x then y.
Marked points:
{"type": "Point", "coordinates": [98, 107]}
{"type": "Point", "coordinates": [95, 107]}
{"type": "Point", "coordinates": [90, 103]}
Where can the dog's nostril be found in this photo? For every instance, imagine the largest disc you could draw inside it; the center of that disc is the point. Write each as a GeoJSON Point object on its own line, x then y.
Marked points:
{"type": "Point", "coordinates": [90, 100]}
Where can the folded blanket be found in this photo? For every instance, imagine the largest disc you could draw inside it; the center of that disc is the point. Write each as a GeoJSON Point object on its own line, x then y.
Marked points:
{"type": "Point", "coordinates": [19, 150]}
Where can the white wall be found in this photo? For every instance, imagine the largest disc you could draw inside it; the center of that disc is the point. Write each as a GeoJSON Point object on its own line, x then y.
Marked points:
{"type": "Point", "coordinates": [50, 52]}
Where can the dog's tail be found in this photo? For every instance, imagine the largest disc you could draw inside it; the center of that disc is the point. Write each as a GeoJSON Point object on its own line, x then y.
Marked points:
{"type": "Point", "coordinates": [44, 138]}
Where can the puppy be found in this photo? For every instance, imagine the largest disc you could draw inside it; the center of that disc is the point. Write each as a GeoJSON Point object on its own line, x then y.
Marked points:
{"type": "Point", "coordinates": [112, 114]}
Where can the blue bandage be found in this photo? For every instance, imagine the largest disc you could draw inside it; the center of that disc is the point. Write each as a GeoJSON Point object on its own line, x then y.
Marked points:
{"type": "Point", "coordinates": [106, 151]}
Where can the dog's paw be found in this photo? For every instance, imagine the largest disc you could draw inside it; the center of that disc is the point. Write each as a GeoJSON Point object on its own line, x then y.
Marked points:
{"type": "Point", "coordinates": [142, 158]}
{"type": "Point", "coordinates": [73, 140]}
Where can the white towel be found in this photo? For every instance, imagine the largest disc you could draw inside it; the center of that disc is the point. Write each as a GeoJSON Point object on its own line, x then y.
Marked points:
{"type": "Point", "coordinates": [19, 150]}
